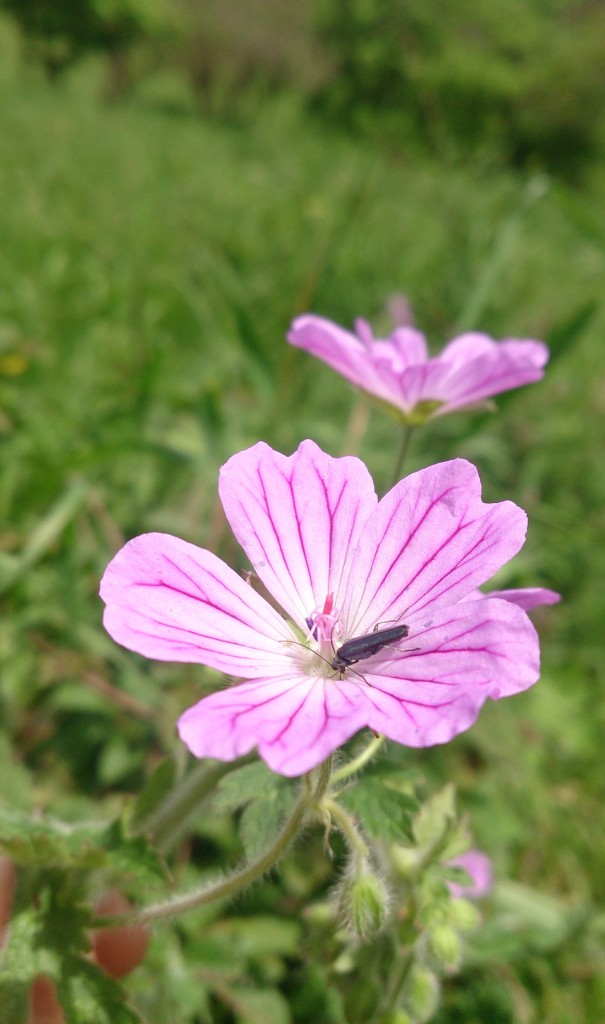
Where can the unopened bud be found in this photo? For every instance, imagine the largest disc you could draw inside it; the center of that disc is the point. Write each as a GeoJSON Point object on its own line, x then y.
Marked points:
{"type": "Point", "coordinates": [405, 861]}
{"type": "Point", "coordinates": [464, 915]}
{"type": "Point", "coordinates": [422, 994]}
{"type": "Point", "coordinates": [446, 946]}
{"type": "Point", "coordinates": [363, 903]}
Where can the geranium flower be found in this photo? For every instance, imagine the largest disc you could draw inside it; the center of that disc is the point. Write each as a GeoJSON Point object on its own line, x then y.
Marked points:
{"type": "Point", "coordinates": [398, 371]}
{"type": "Point", "coordinates": [479, 868]}
{"type": "Point", "coordinates": [340, 564]}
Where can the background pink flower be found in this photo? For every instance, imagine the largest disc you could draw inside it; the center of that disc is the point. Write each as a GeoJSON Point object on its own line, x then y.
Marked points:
{"type": "Point", "coordinates": [479, 866]}
{"type": "Point", "coordinates": [399, 371]}
{"type": "Point", "coordinates": [340, 564]}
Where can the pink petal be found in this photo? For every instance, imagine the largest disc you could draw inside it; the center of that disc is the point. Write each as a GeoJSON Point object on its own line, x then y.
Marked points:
{"type": "Point", "coordinates": [295, 721]}
{"type": "Point", "coordinates": [469, 652]}
{"type": "Point", "coordinates": [356, 360]}
{"type": "Point", "coordinates": [479, 866]}
{"type": "Point", "coordinates": [170, 600]}
{"type": "Point", "coordinates": [430, 542]}
{"type": "Point", "coordinates": [525, 597]}
{"type": "Point", "coordinates": [298, 519]}
{"type": "Point", "coordinates": [481, 367]}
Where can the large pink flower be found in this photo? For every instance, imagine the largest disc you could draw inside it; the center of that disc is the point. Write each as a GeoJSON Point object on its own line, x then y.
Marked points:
{"type": "Point", "coordinates": [399, 371]}
{"type": "Point", "coordinates": [340, 564]}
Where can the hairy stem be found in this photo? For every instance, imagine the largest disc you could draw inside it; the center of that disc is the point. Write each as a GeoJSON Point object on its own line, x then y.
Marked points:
{"type": "Point", "coordinates": [312, 791]}
{"type": "Point", "coordinates": [359, 762]}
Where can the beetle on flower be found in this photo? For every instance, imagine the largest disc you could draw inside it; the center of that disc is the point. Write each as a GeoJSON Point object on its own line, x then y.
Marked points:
{"type": "Point", "coordinates": [340, 564]}
{"type": "Point", "coordinates": [399, 372]}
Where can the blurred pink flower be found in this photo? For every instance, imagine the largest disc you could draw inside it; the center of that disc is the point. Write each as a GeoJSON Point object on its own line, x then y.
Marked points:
{"type": "Point", "coordinates": [479, 867]}
{"type": "Point", "coordinates": [340, 564]}
{"type": "Point", "coordinates": [399, 371]}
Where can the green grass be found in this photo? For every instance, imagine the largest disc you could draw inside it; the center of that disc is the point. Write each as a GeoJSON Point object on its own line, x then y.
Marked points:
{"type": "Point", "coordinates": [149, 268]}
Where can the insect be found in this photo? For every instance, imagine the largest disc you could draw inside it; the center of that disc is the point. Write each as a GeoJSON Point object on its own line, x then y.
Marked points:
{"type": "Point", "coordinates": [360, 647]}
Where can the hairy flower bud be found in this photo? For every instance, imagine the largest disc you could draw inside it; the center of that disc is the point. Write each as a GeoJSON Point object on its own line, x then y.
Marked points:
{"type": "Point", "coordinates": [422, 994]}
{"type": "Point", "coordinates": [464, 915]}
{"type": "Point", "coordinates": [446, 947]}
{"type": "Point", "coordinates": [363, 901]}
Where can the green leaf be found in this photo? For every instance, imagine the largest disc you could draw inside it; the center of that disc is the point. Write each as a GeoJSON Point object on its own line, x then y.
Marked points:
{"type": "Point", "coordinates": [83, 847]}
{"type": "Point", "coordinates": [261, 935]}
{"type": "Point", "coordinates": [153, 793]}
{"type": "Point", "coordinates": [382, 811]}
{"type": "Point", "coordinates": [248, 783]}
{"type": "Point", "coordinates": [252, 1006]}
{"type": "Point", "coordinates": [435, 818]}
{"type": "Point", "coordinates": [51, 939]}
{"type": "Point", "coordinates": [261, 820]}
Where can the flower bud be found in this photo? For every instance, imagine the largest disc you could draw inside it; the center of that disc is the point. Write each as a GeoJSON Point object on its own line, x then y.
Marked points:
{"type": "Point", "coordinates": [405, 860]}
{"type": "Point", "coordinates": [363, 902]}
{"type": "Point", "coordinates": [422, 994]}
{"type": "Point", "coordinates": [446, 947]}
{"type": "Point", "coordinates": [464, 915]}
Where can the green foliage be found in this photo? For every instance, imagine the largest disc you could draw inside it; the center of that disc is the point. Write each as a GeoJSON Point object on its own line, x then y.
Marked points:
{"type": "Point", "coordinates": [51, 939]}
{"type": "Point", "coordinates": [468, 75]}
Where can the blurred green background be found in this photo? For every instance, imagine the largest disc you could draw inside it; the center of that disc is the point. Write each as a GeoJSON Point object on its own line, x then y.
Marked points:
{"type": "Point", "coordinates": [177, 181]}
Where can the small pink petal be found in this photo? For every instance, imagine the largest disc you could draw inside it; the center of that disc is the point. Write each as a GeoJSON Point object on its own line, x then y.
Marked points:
{"type": "Point", "coordinates": [170, 600]}
{"type": "Point", "coordinates": [525, 597]}
{"type": "Point", "coordinates": [479, 866]}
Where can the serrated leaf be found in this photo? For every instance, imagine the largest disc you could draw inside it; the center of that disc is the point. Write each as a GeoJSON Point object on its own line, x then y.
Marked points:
{"type": "Point", "coordinates": [49, 844]}
{"type": "Point", "coordinates": [89, 996]}
{"type": "Point", "coordinates": [51, 939]}
{"type": "Point", "coordinates": [382, 811]}
{"type": "Point", "coordinates": [246, 784]}
{"type": "Point", "coordinates": [435, 818]}
{"type": "Point", "coordinates": [132, 855]}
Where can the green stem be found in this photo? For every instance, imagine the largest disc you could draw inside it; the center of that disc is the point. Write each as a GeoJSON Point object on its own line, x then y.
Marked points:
{"type": "Point", "coordinates": [313, 790]}
{"type": "Point", "coordinates": [166, 823]}
{"type": "Point", "coordinates": [347, 826]}
{"type": "Point", "coordinates": [359, 762]}
{"type": "Point", "coordinates": [403, 451]}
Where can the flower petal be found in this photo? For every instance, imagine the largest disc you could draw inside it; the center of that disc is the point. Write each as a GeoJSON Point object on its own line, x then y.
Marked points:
{"type": "Point", "coordinates": [469, 652]}
{"type": "Point", "coordinates": [295, 721]}
{"type": "Point", "coordinates": [429, 543]}
{"type": "Point", "coordinates": [481, 367]}
{"type": "Point", "coordinates": [298, 519]}
{"type": "Point", "coordinates": [360, 361]}
{"type": "Point", "coordinates": [524, 597]}
{"type": "Point", "coordinates": [173, 601]}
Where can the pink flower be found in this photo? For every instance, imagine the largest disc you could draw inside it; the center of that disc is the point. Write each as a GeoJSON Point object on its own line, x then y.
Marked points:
{"type": "Point", "coordinates": [399, 371]}
{"type": "Point", "coordinates": [340, 564]}
{"type": "Point", "coordinates": [479, 867]}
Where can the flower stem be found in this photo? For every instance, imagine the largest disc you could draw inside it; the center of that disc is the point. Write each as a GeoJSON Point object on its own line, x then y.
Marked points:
{"type": "Point", "coordinates": [348, 828]}
{"type": "Point", "coordinates": [359, 762]}
{"type": "Point", "coordinates": [403, 451]}
{"type": "Point", "coordinates": [312, 791]}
